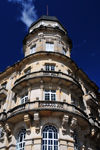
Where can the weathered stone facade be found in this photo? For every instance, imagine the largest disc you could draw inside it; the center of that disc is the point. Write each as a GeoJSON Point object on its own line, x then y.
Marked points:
{"type": "Point", "coordinates": [46, 101]}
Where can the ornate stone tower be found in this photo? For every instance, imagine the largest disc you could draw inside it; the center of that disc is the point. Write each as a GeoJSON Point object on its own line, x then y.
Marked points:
{"type": "Point", "coordinates": [46, 101]}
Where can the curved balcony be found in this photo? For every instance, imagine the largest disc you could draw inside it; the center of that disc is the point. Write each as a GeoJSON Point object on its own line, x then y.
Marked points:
{"type": "Point", "coordinates": [91, 101]}
{"type": "Point", "coordinates": [45, 106]}
{"type": "Point", "coordinates": [3, 93]}
{"type": "Point", "coordinates": [47, 76]}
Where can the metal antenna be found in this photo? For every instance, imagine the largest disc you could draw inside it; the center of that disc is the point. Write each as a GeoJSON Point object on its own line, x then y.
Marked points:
{"type": "Point", "coordinates": [47, 10]}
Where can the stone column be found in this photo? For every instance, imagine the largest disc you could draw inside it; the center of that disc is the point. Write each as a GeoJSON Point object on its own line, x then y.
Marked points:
{"type": "Point", "coordinates": [41, 87]}
{"type": "Point", "coordinates": [37, 143]}
{"type": "Point", "coordinates": [59, 95]}
{"type": "Point", "coordinates": [28, 144]}
{"type": "Point", "coordinates": [29, 93]}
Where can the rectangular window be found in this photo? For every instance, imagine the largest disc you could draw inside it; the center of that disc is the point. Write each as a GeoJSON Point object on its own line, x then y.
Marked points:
{"type": "Point", "coordinates": [24, 98]}
{"type": "Point", "coordinates": [33, 49]}
{"type": "Point", "coordinates": [49, 67]}
{"type": "Point", "coordinates": [50, 47]}
{"type": "Point", "coordinates": [50, 95]}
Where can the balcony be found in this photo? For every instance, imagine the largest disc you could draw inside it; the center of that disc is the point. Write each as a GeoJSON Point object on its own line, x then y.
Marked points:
{"type": "Point", "coordinates": [47, 76]}
{"type": "Point", "coordinates": [3, 93]}
{"type": "Point", "coordinates": [45, 106]}
{"type": "Point", "coordinates": [91, 101]}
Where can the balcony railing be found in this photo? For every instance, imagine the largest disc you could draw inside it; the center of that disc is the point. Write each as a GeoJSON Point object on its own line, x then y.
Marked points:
{"type": "Point", "coordinates": [91, 101]}
{"type": "Point", "coordinates": [46, 106]}
{"type": "Point", "coordinates": [67, 80]}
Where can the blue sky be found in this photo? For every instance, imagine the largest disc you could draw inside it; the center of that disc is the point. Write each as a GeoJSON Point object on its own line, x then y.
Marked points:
{"type": "Point", "coordinates": [81, 18]}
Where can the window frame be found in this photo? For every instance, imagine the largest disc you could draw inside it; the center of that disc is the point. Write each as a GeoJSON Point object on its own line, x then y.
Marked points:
{"type": "Point", "coordinates": [21, 132]}
{"type": "Point", "coordinates": [50, 94]}
{"type": "Point", "coordinates": [50, 137]}
{"type": "Point", "coordinates": [24, 98]}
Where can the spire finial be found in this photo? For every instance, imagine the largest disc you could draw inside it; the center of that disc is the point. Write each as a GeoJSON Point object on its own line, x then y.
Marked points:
{"type": "Point", "coordinates": [47, 10]}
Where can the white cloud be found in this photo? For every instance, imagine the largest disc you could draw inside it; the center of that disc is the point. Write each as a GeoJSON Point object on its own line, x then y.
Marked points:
{"type": "Point", "coordinates": [28, 11]}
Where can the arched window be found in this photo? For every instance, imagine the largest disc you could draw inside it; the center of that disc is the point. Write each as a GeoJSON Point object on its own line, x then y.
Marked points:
{"type": "Point", "coordinates": [50, 138]}
{"type": "Point", "coordinates": [76, 144]}
{"type": "Point", "coordinates": [20, 144]}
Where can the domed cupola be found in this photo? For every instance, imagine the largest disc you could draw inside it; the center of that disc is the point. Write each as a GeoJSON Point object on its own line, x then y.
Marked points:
{"type": "Point", "coordinates": [47, 34]}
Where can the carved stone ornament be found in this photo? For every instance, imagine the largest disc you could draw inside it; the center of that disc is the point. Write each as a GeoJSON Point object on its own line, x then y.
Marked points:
{"type": "Point", "coordinates": [64, 123]}
{"type": "Point", "coordinates": [8, 131]}
{"type": "Point", "coordinates": [1, 134]}
{"type": "Point", "coordinates": [73, 123]}
{"type": "Point", "coordinates": [37, 122]}
{"type": "Point", "coordinates": [27, 121]}
{"type": "Point", "coordinates": [93, 132]}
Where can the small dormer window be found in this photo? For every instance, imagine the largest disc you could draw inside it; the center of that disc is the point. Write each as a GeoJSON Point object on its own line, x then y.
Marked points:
{"type": "Point", "coordinates": [64, 52]}
{"type": "Point", "coordinates": [50, 47]}
{"type": "Point", "coordinates": [33, 49]}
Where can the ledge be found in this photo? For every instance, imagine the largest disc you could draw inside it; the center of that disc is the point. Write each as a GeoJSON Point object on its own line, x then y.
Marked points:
{"type": "Point", "coordinates": [45, 76]}
{"type": "Point", "coordinates": [43, 106]}
{"type": "Point", "coordinates": [91, 101]}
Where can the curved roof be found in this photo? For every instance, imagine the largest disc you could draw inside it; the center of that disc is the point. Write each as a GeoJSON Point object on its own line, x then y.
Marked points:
{"type": "Point", "coordinates": [43, 17]}
{"type": "Point", "coordinates": [47, 18]}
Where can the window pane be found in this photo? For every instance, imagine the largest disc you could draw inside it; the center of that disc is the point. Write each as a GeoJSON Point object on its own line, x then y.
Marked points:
{"type": "Point", "coordinates": [55, 135]}
{"type": "Point", "coordinates": [53, 97]}
{"type": "Point", "coordinates": [47, 96]}
{"type": "Point", "coordinates": [52, 67]}
{"type": "Point", "coordinates": [50, 135]}
{"type": "Point", "coordinates": [55, 147]}
{"type": "Point", "coordinates": [55, 142]}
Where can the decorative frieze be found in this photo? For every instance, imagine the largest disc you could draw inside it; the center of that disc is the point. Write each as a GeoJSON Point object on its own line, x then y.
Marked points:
{"type": "Point", "coordinates": [27, 121]}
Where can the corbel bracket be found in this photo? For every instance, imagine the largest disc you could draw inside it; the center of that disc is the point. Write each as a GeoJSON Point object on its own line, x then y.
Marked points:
{"type": "Point", "coordinates": [8, 131]}
{"type": "Point", "coordinates": [64, 123]}
{"type": "Point", "coordinates": [73, 123]}
{"type": "Point", "coordinates": [27, 121]}
{"type": "Point", "coordinates": [37, 122]}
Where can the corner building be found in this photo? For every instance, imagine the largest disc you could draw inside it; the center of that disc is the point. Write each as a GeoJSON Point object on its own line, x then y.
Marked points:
{"type": "Point", "coordinates": [46, 101]}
